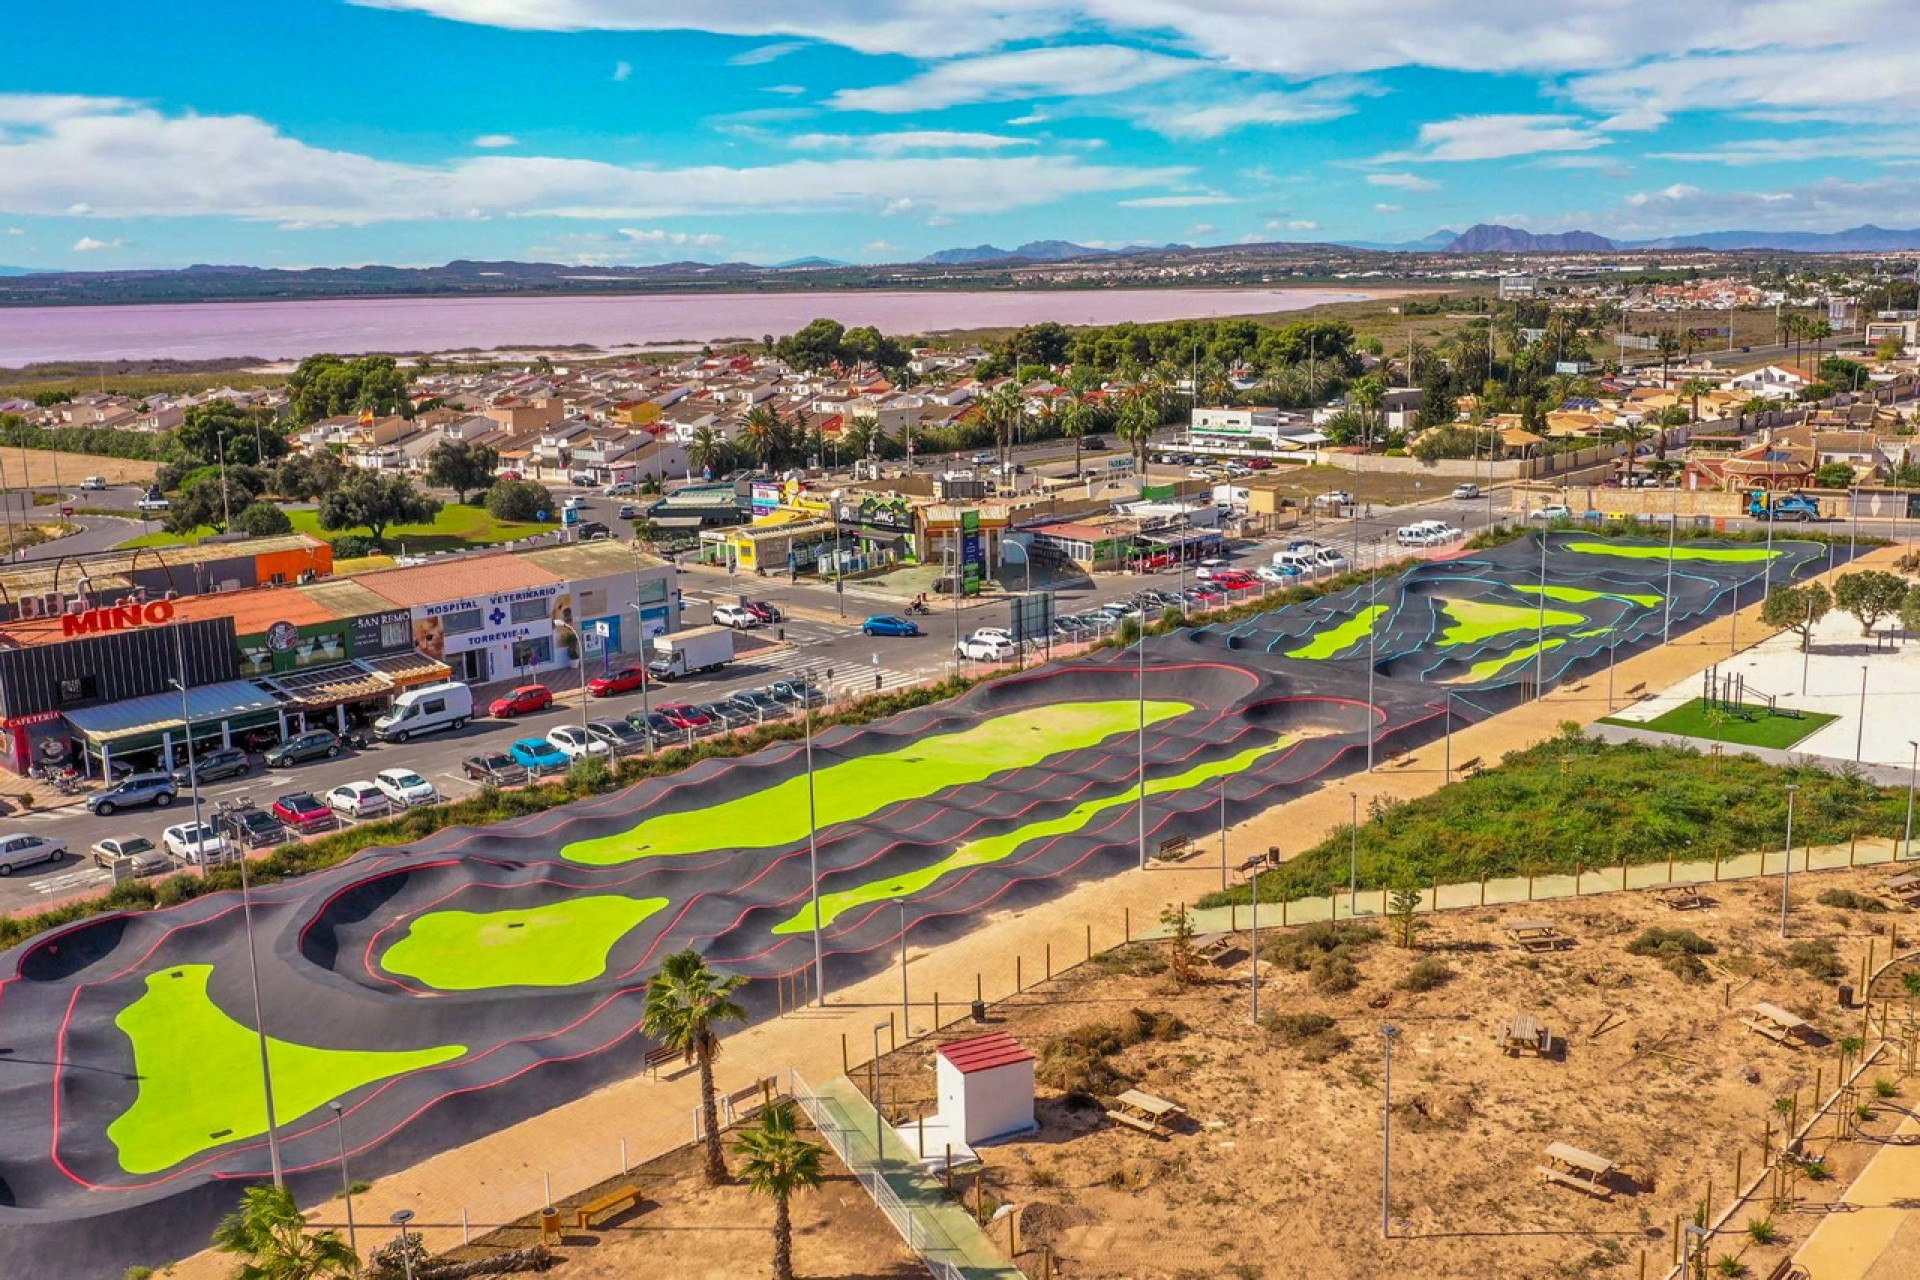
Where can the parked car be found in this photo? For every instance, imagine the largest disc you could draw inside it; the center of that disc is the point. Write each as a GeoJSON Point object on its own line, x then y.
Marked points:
{"type": "Point", "coordinates": [724, 715]}
{"type": "Point", "coordinates": [25, 848]}
{"type": "Point", "coordinates": [799, 692]}
{"type": "Point", "coordinates": [737, 616]}
{"type": "Point", "coordinates": [538, 756]}
{"type": "Point", "coordinates": [1282, 575]}
{"type": "Point", "coordinates": [576, 743]}
{"type": "Point", "coordinates": [683, 716]}
{"type": "Point", "coordinates": [983, 459]}
{"type": "Point", "coordinates": [619, 489]}
{"type": "Point", "coordinates": [1551, 512]}
{"type": "Point", "coordinates": [404, 788]}
{"type": "Point", "coordinates": [211, 766]}
{"type": "Point", "coordinates": [1070, 627]}
{"type": "Point", "coordinates": [357, 800]}
{"type": "Point", "coordinates": [135, 791]}
{"type": "Point", "coordinates": [1466, 491]}
{"type": "Point", "coordinates": [93, 484]}
{"type": "Point", "coordinates": [524, 700]}
{"type": "Point", "coordinates": [886, 624]}
{"type": "Point", "coordinates": [314, 744]}
{"type": "Point", "coordinates": [302, 811]}
{"type": "Point", "coordinates": [654, 724]}
{"type": "Point", "coordinates": [576, 501]}
{"type": "Point", "coordinates": [153, 504]}
{"type": "Point", "coordinates": [426, 709]}
{"type": "Point", "coordinates": [625, 680]}
{"type": "Point", "coordinates": [496, 767]}
{"type": "Point", "coordinates": [619, 735]}
{"type": "Point", "coordinates": [627, 512]}
{"type": "Point", "coordinates": [978, 648]}
{"type": "Point", "coordinates": [196, 843]}
{"type": "Point", "coordinates": [246, 825]}
{"type": "Point", "coordinates": [767, 613]}
{"type": "Point", "coordinates": [147, 856]}
{"type": "Point", "coordinates": [761, 706]}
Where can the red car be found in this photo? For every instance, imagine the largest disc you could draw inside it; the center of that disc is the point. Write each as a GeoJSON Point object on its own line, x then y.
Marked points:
{"type": "Point", "coordinates": [768, 614]}
{"type": "Point", "coordinates": [683, 716]}
{"type": "Point", "coordinates": [518, 702]}
{"type": "Point", "coordinates": [1234, 581]}
{"type": "Point", "coordinates": [303, 811]}
{"type": "Point", "coordinates": [625, 680]}
{"type": "Point", "coordinates": [509, 475]}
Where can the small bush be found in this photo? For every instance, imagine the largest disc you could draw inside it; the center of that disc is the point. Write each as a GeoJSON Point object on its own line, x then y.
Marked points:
{"type": "Point", "coordinates": [1334, 973]}
{"type": "Point", "coordinates": [138, 1273]}
{"type": "Point", "coordinates": [1076, 1061]}
{"type": "Point", "coordinates": [352, 546]}
{"type": "Point", "coordinates": [1848, 900]}
{"type": "Point", "coordinates": [1885, 1088]}
{"type": "Point", "coordinates": [1815, 957]}
{"type": "Point", "coordinates": [1678, 950]}
{"type": "Point", "coordinates": [1817, 1170]}
{"type": "Point", "coordinates": [1762, 1230]}
{"type": "Point", "coordinates": [1425, 975]}
{"type": "Point", "coordinates": [1136, 961]}
{"type": "Point", "coordinates": [1315, 1035]}
{"type": "Point", "coordinates": [1299, 950]}
{"type": "Point", "coordinates": [1728, 1265]}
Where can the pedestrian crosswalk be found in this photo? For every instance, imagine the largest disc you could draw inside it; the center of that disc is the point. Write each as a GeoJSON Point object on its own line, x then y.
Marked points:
{"type": "Point", "coordinates": [72, 881]}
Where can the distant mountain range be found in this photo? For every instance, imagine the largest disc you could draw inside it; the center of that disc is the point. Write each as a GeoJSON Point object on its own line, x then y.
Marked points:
{"type": "Point", "coordinates": [1489, 237]}
{"type": "Point", "coordinates": [1035, 251]}
{"type": "Point", "coordinates": [794, 264]}
{"type": "Point", "coordinates": [18, 271]}
{"type": "Point", "coordinates": [1435, 243]}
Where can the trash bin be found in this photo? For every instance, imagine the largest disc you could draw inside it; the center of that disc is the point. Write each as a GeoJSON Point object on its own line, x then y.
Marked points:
{"type": "Point", "coordinates": [979, 1010]}
{"type": "Point", "coordinates": [549, 1225]}
{"type": "Point", "coordinates": [1845, 991]}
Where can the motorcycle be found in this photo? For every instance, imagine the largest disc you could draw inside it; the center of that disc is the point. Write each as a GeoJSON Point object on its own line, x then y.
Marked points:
{"type": "Point", "coordinates": [919, 610]}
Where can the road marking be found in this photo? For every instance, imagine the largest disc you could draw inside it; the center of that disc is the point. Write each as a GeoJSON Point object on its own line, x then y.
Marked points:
{"type": "Point", "coordinates": [79, 878]}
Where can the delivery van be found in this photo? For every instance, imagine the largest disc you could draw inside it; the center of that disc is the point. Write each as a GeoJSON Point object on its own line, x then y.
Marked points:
{"type": "Point", "coordinates": [424, 710]}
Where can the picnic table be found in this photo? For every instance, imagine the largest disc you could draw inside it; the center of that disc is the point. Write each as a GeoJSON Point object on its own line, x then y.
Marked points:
{"type": "Point", "coordinates": [1214, 947]}
{"type": "Point", "coordinates": [1582, 1170]}
{"type": "Point", "coordinates": [1682, 897]}
{"type": "Point", "coordinates": [1537, 935]}
{"type": "Point", "coordinates": [1525, 1032]}
{"type": "Point", "coordinates": [1905, 887]}
{"type": "Point", "coordinates": [1144, 1112]}
{"type": "Point", "coordinates": [1776, 1023]}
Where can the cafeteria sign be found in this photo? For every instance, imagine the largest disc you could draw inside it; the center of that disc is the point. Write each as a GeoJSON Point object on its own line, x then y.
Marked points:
{"type": "Point", "coordinates": [282, 637]}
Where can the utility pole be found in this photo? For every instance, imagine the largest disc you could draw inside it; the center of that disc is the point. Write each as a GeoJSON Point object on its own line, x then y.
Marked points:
{"type": "Point", "coordinates": [1388, 1034]}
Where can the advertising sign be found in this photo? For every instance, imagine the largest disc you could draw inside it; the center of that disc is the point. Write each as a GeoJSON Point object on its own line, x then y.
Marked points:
{"type": "Point", "coordinates": [1032, 616]}
{"type": "Point", "coordinates": [282, 636]}
{"type": "Point", "coordinates": [373, 634]}
{"type": "Point", "coordinates": [971, 559]}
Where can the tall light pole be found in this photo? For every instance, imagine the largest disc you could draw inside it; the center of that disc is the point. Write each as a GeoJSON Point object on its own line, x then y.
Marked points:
{"type": "Point", "coordinates": [1913, 773]}
{"type": "Point", "coordinates": [1373, 626]}
{"type": "Point", "coordinates": [813, 858]}
{"type": "Point", "coordinates": [646, 676]}
{"type": "Point", "coordinates": [400, 1219]}
{"type": "Point", "coordinates": [906, 1007]}
{"type": "Point", "coordinates": [1353, 858]}
{"type": "Point", "coordinates": [1388, 1034]}
{"type": "Point", "coordinates": [1140, 803]}
{"type": "Point", "coordinates": [346, 1187]}
{"type": "Point", "coordinates": [1673, 533]}
{"type": "Point", "coordinates": [1449, 773]}
{"type": "Point", "coordinates": [580, 652]}
{"type": "Point", "coordinates": [1223, 833]}
{"type": "Point", "coordinates": [1786, 875]}
{"type": "Point", "coordinates": [879, 1116]}
{"type": "Point", "coordinates": [1273, 854]}
{"type": "Point", "coordinates": [1540, 639]}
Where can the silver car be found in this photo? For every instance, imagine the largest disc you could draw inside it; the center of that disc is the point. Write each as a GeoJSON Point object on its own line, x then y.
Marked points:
{"type": "Point", "coordinates": [24, 849]}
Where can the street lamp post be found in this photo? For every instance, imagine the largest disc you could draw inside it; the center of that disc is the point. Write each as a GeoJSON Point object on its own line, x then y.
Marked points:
{"type": "Point", "coordinates": [1140, 802]}
{"type": "Point", "coordinates": [1449, 773]}
{"type": "Point", "coordinates": [1372, 631]}
{"type": "Point", "coordinates": [1388, 1034]}
{"type": "Point", "coordinates": [813, 857]}
{"type": "Point", "coordinates": [646, 676]}
{"type": "Point", "coordinates": [879, 1116]}
{"type": "Point", "coordinates": [1912, 774]}
{"type": "Point", "coordinates": [1673, 527]}
{"type": "Point", "coordinates": [400, 1219]}
{"type": "Point", "coordinates": [906, 1006]}
{"type": "Point", "coordinates": [1860, 730]}
{"type": "Point", "coordinates": [1353, 858]}
{"type": "Point", "coordinates": [1223, 833]}
{"type": "Point", "coordinates": [1540, 626]}
{"type": "Point", "coordinates": [1786, 874]}
{"type": "Point", "coordinates": [346, 1187]}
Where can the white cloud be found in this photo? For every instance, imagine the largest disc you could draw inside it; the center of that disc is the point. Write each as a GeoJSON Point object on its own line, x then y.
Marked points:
{"type": "Point", "coordinates": [676, 238]}
{"type": "Point", "coordinates": [1032, 117]}
{"type": "Point", "coordinates": [905, 140]}
{"type": "Point", "coordinates": [1863, 81]}
{"type": "Point", "coordinates": [1830, 204]}
{"type": "Point", "coordinates": [1403, 181]}
{"type": "Point", "coordinates": [1313, 104]}
{"type": "Point", "coordinates": [765, 53]}
{"type": "Point", "coordinates": [1495, 137]}
{"type": "Point", "coordinates": [1387, 208]}
{"type": "Point", "coordinates": [1177, 202]}
{"type": "Point", "coordinates": [1884, 148]}
{"type": "Point", "coordinates": [16, 231]}
{"type": "Point", "coordinates": [940, 220]}
{"type": "Point", "coordinates": [622, 71]}
{"type": "Point", "coordinates": [495, 141]}
{"type": "Point", "coordinates": [879, 246]}
{"type": "Point", "coordinates": [1072, 71]}
{"type": "Point", "coordinates": [1200, 229]}
{"type": "Point", "coordinates": [1293, 224]}
{"type": "Point", "coordinates": [136, 162]}
{"type": "Point", "coordinates": [789, 90]}
{"type": "Point", "coordinates": [87, 244]}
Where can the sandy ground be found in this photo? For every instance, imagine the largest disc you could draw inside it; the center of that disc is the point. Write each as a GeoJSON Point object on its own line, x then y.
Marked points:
{"type": "Point", "coordinates": [1652, 1071]}
{"type": "Point", "coordinates": [42, 464]}
{"type": "Point", "coordinates": [692, 1233]}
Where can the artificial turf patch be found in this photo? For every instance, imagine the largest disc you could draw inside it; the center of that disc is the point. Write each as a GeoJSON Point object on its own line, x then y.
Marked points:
{"type": "Point", "coordinates": [555, 945]}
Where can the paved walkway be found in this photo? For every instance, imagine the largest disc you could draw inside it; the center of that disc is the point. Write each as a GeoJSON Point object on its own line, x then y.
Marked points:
{"type": "Point", "coordinates": [498, 1178]}
{"type": "Point", "coordinates": [1874, 1219]}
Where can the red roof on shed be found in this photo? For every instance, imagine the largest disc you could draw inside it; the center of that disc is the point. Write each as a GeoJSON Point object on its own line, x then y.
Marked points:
{"type": "Point", "coordinates": [984, 1053]}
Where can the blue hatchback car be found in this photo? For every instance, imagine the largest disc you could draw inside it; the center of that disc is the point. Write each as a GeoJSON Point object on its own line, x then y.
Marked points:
{"type": "Point", "coordinates": [886, 624]}
{"type": "Point", "coordinates": [538, 755]}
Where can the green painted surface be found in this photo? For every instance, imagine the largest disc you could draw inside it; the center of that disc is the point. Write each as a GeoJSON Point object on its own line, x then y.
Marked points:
{"type": "Point", "coordinates": [864, 785]}
{"type": "Point", "coordinates": [1352, 631]}
{"type": "Point", "coordinates": [556, 945]}
{"type": "Point", "coordinates": [1494, 666]}
{"type": "Point", "coordinates": [199, 1073]}
{"type": "Point", "coordinates": [980, 853]}
{"type": "Point", "coordinates": [1692, 720]}
{"type": "Point", "coordinates": [1475, 620]}
{"type": "Point", "coordinates": [1719, 555]}
{"type": "Point", "coordinates": [1578, 595]}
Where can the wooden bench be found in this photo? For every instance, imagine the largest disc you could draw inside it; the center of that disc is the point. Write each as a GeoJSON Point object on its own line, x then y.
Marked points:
{"type": "Point", "coordinates": [1214, 947]}
{"type": "Point", "coordinates": [743, 1104]}
{"type": "Point", "coordinates": [1144, 1112]}
{"type": "Point", "coordinates": [1174, 848]}
{"type": "Point", "coordinates": [1682, 897]}
{"type": "Point", "coordinates": [1905, 887]}
{"type": "Point", "coordinates": [1582, 1170]}
{"type": "Point", "coordinates": [1525, 1032]}
{"type": "Point", "coordinates": [654, 1059]}
{"type": "Point", "coordinates": [1466, 767]}
{"type": "Point", "coordinates": [584, 1215]}
{"type": "Point", "coordinates": [1637, 691]}
{"type": "Point", "coordinates": [1537, 935]}
{"type": "Point", "coordinates": [1786, 1269]}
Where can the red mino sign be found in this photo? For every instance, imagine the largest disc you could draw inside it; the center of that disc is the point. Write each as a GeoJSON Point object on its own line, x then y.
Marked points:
{"type": "Point", "coordinates": [120, 617]}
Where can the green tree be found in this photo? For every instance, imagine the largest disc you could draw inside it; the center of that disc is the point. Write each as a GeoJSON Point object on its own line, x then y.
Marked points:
{"type": "Point", "coordinates": [1797, 609]}
{"type": "Point", "coordinates": [1833, 475]}
{"type": "Point", "coordinates": [1870, 595]}
{"type": "Point", "coordinates": [1183, 962]}
{"type": "Point", "coordinates": [251, 436]}
{"type": "Point", "coordinates": [462, 466]}
{"type": "Point", "coordinates": [1693, 389]}
{"type": "Point", "coordinates": [764, 434]}
{"type": "Point", "coordinates": [708, 453]}
{"type": "Point", "coordinates": [262, 520]}
{"type": "Point", "coordinates": [816, 346]}
{"type": "Point", "coordinates": [1403, 908]}
{"type": "Point", "coordinates": [775, 1162]}
{"type": "Point", "coordinates": [329, 386]}
{"type": "Point", "coordinates": [1076, 420]}
{"type": "Point", "coordinates": [1910, 613]}
{"type": "Point", "coordinates": [375, 500]}
{"type": "Point", "coordinates": [518, 500]}
{"type": "Point", "coordinates": [203, 503]}
{"type": "Point", "coordinates": [270, 1236]}
{"type": "Point", "coordinates": [687, 1003]}
{"type": "Point", "coordinates": [1630, 435]}
{"type": "Point", "coordinates": [306, 476]}
{"type": "Point", "coordinates": [1447, 442]}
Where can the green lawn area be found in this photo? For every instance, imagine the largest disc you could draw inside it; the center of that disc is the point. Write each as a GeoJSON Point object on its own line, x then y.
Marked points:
{"type": "Point", "coordinates": [1691, 720]}
{"type": "Point", "coordinates": [199, 1073]}
{"type": "Point", "coordinates": [556, 945]}
{"type": "Point", "coordinates": [863, 785]}
{"type": "Point", "coordinates": [1477, 620]}
{"type": "Point", "coordinates": [454, 528]}
{"type": "Point", "coordinates": [1327, 643]}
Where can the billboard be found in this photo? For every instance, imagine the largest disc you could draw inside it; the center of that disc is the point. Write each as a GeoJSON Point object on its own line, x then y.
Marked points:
{"type": "Point", "coordinates": [1032, 616]}
{"type": "Point", "coordinates": [971, 559]}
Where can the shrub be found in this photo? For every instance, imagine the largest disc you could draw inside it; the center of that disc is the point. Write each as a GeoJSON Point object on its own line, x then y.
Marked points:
{"type": "Point", "coordinates": [1885, 1088]}
{"type": "Point", "coordinates": [262, 520]}
{"type": "Point", "coordinates": [1334, 973]}
{"type": "Point", "coordinates": [1315, 1035]}
{"type": "Point", "coordinates": [1297, 951]}
{"type": "Point", "coordinates": [1762, 1230]}
{"type": "Point", "coordinates": [1426, 975]}
{"type": "Point", "coordinates": [352, 546]}
{"type": "Point", "coordinates": [519, 500]}
{"type": "Point", "coordinates": [1815, 957]}
{"type": "Point", "coordinates": [1848, 900]}
{"type": "Point", "coordinates": [1136, 961]}
{"type": "Point", "coordinates": [138, 1273]}
{"type": "Point", "coordinates": [1728, 1265]}
{"type": "Point", "coordinates": [1679, 950]}
{"type": "Point", "coordinates": [589, 776]}
{"type": "Point", "coordinates": [1076, 1061]}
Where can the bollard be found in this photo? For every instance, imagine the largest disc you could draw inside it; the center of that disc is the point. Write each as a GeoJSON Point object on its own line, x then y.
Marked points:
{"type": "Point", "coordinates": [1483, 888]}
{"type": "Point", "coordinates": [1049, 962]}
{"type": "Point", "coordinates": [623, 1157]}
{"type": "Point", "coordinates": [1529, 885]}
{"type": "Point", "coordinates": [1623, 877]}
{"type": "Point", "coordinates": [845, 1065]}
{"type": "Point", "coordinates": [1018, 985]}
{"type": "Point", "coordinates": [1669, 866]}
{"type": "Point", "coordinates": [1089, 942]}
{"type": "Point", "coordinates": [466, 1237]}
{"type": "Point", "coordinates": [1126, 924]}
{"type": "Point", "coordinates": [1436, 893]}
{"type": "Point", "coordinates": [949, 1169]}
{"type": "Point", "coordinates": [1577, 871]}
{"type": "Point", "coordinates": [936, 1011]}
{"type": "Point", "coordinates": [1716, 868]}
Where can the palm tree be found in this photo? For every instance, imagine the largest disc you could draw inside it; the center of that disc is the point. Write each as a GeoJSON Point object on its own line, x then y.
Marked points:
{"type": "Point", "coordinates": [1668, 344]}
{"type": "Point", "coordinates": [1693, 389]}
{"type": "Point", "coordinates": [999, 409]}
{"type": "Point", "coordinates": [268, 1231]}
{"type": "Point", "coordinates": [686, 1004]}
{"type": "Point", "coordinates": [707, 452]}
{"type": "Point", "coordinates": [1075, 421]}
{"type": "Point", "coordinates": [1367, 396]}
{"type": "Point", "coordinates": [1138, 418]}
{"type": "Point", "coordinates": [762, 433]}
{"type": "Point", "coordinates": [776, 1162]}
{"type": "Point", "coordinates": [1629, 434]}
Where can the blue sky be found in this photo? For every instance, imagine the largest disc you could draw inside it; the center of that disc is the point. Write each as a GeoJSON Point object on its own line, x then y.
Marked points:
{"type": "Point", "coordinates": [632, 131]}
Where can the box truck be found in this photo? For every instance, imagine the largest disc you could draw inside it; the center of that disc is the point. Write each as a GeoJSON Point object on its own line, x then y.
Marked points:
{"type": "Point", "coordinates": [685, 653]}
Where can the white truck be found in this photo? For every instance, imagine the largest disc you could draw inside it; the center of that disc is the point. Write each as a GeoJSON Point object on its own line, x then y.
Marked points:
{"type": "Point", "coordinates": [685, 653]}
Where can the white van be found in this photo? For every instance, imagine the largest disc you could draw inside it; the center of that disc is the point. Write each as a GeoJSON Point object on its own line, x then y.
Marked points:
{"type": "Point", "coordinates": [424, 710]}
{"type": "Point", "coordinates": [1306, 563]}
